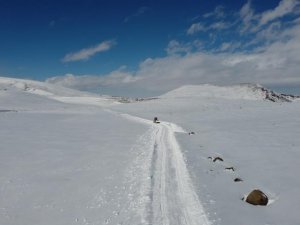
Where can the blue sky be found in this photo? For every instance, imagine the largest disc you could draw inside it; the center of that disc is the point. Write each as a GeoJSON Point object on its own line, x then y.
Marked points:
{"type": "Point", "coordinates": [122, 45]}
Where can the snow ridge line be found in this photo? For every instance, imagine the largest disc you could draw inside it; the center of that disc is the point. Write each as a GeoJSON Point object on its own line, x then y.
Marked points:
{"type": "Point", "coordinates": [174, 199]}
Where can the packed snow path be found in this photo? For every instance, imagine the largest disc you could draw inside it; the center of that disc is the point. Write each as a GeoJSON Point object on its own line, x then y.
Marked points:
{"type": "Point", "coordinates": [173, 200]}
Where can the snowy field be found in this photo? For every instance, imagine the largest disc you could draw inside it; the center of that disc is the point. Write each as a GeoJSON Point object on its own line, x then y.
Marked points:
{"type": "Point", "coordinates": [68, 157]}
{"type": "Point", "coordinates": [260, 139]}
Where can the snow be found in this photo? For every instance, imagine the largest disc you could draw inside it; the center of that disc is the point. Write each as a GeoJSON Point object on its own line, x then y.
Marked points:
{"type": "Point", "coordinates": [65, 167]}
{"type": "Point", "coordinates": [69, 157]}
{"type": "Point", "coordinates": [260, 139]}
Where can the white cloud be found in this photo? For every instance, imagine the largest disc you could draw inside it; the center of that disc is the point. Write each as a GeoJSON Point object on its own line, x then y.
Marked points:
{"type": "Point", "coordinates": [174, 47]}
{"type": "Point", "coordinates": [198, 27]}
{"type": "Point", "coordinates": [248, 16]}
{"type": "Point", "coordinates": [83, 82]}
{"type": "Point", "coordinates": [276, 64]}
{"type": "Point", "coordinates": [218, 12]}
{"type": "Point", "coordinates": [284, 7]}
{"type": "Point", "coordinates": [253, 22]}
{"type": "Point", "coordinates": [229, 46]}
{"type": "Point", "coordinates": [219, 25]}
{"type": "Point", "coordinates": [86, 53]}
{"type": "Point", "coordinates": [195, 28]}
{"type": "Point", "coordinates": [271, 32]}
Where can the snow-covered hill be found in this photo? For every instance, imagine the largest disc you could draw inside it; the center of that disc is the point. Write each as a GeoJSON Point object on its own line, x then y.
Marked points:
{"type": "Point", "coordinates": [36, 87]}
{"type": "Point", "coordinates": [242, 91]}
{"type": "Point", "coordinates": [42, 91]}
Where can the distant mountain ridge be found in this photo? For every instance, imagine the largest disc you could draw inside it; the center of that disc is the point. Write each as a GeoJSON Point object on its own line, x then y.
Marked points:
{"type": "Point", "coordinates": [241, 91]}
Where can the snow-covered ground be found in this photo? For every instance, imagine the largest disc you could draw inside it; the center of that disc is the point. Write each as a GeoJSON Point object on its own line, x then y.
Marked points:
{"type": "Point", "coordinates": [260, 139]}
{"type": "Point", "coordinates": [68, 157]}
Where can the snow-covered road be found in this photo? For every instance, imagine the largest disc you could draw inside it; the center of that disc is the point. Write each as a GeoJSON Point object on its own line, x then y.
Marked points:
{"type": "Point", "coordinates": [173, 199]}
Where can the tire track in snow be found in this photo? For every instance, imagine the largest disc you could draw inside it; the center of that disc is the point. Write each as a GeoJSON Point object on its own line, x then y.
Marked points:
{"type": "Point", "coordinates": [159, 199]}
{"type": "Point", "coordinates": [179, 203]}
{"type": "Point", "coordinates": [173, 198]}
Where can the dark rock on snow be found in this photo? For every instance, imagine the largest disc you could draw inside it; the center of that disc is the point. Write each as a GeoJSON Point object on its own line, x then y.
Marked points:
{"type": "Point", "coordinates": [230, 168]}
{"type": "Point", "coordinates": [218, 159]}
{"type": "Point", "coordinates": [238, 179]}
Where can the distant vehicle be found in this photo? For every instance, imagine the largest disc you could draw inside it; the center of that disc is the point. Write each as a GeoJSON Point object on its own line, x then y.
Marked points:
{"type": "Point", "coordinates": [155, 120]}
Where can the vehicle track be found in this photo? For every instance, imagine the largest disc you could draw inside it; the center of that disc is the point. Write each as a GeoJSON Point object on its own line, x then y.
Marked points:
{"type": "Point", "coordinates": [173, 200]}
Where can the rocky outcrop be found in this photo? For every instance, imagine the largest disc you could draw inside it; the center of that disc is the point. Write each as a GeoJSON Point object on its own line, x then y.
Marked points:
{"type": "Point", "coordinates": [273, 96]}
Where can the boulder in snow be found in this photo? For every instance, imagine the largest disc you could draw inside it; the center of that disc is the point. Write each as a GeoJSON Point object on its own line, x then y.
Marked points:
{"type": "Point", "coordinates": [257, 197]}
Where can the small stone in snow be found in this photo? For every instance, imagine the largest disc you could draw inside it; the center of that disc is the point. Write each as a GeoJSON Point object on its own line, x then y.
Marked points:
{"type": "Point", "coordinates": [218, 159]}
{"type": "Point", "coordinates": [230, 168]}
{"type": "Point", "coordinates": [238, 179]}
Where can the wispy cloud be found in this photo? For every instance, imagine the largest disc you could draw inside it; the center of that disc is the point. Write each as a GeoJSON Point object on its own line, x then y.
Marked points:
{"type": "Point", "coordinates": [247, 14]}
{"type": "Point", "coordinates": [254, 22]}
{"type": "Point", "coordinates": [175, 47]}
{"type": "Point", "coordinates": [86, 53]}
{"type": "Point", "coordinates": [218, 12]}
{"type": "Point", "coordinates": [284, 8]}
{"type": "Point", "coordinates": [229, 46]}
{"type": "Point", "coordinates": [195, 28]}
{"type": "Point", "coordinates": [142, 10]}
{"type": "Point", "coordinates": [200, 27]}
{"type": "Point", "coordinates": [219, 25]}
{"type": "Point", "coordinates": [251, 27]}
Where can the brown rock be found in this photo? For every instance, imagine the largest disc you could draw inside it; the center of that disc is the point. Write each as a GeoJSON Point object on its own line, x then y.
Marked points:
{"type": "Point", "coordinates": [257, 197]}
